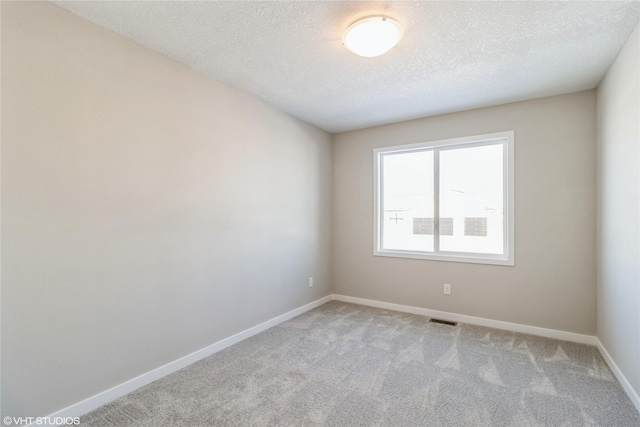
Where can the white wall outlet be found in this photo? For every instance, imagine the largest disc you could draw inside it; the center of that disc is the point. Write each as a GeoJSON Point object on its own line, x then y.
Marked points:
{"type": "Point", "coordinates": [310, 282]}
{"type": "Point", "coordinates": [447, 289]}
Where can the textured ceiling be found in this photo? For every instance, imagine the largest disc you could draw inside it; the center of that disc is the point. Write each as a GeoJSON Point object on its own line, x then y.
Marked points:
{"type": "Point", "coordinates": [454, 56]}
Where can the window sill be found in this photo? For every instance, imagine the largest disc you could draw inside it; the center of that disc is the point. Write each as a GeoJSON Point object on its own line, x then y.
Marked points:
{"type": "Point", "coordinates": [464, 258]}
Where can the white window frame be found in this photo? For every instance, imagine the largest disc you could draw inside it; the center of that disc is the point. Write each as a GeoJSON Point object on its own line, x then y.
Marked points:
{"type": "Point", "coordinates": [508, 258]}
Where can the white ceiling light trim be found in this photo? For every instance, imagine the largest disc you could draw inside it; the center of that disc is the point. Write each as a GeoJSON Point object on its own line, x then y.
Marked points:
{"type": "Point", "coordinates": [372, 36]}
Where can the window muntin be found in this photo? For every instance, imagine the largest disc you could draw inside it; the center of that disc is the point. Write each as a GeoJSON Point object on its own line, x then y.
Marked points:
{"type": "Point", "coordinates": [448, 200]}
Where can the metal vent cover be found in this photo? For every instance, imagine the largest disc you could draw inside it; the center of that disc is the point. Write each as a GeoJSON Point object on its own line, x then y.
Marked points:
{"type": "Point", "coordinates": [444, 322]}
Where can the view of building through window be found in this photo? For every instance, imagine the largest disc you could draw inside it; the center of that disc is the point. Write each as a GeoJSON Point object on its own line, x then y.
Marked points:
{"type": "Point", "coordinates": [443, 199]}
{"type": "Point", "coordinates": [471, 192]}
{"type": "Point", "coordinates": [408, 193]}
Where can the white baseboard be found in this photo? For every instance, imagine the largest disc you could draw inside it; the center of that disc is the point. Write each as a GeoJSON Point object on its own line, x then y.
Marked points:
{"type": "Point", "coordinates": [453, 317]}
{"type": "Point", "coordinates": [626, 385]}
{"type": "Point", "coordinates": [96, 401]}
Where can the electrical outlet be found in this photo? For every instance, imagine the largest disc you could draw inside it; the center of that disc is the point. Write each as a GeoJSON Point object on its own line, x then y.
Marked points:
{"type": "Point", "coordinates": [447, 289]}
{"type": "Point", "coordinates": [310, 282]}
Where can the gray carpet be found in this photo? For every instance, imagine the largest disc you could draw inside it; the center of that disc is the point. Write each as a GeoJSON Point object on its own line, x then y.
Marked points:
{"type": "Point", "coordinates": [349, 365]}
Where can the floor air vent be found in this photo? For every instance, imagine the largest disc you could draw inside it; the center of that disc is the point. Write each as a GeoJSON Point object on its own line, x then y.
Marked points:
{"type": "Point", "coordinates": [443, 322]}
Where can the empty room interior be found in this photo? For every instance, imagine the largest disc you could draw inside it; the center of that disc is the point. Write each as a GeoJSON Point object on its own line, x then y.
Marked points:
{"type": "Point", "coordinates": [255, 213]}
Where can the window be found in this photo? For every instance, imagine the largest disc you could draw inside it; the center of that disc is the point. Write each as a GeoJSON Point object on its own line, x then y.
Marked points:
{"type": "Point", "coordinates": [448, 200]}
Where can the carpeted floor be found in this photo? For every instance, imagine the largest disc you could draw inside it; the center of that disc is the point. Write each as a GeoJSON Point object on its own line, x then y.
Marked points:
{"type": "Point", "coordinates": [349, 365]}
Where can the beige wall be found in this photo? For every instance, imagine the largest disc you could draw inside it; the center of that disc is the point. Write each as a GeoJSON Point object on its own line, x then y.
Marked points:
{"type": "Point", "coordinates": [619, 211]}
{"type": "Point", "coordinates": [553, 282]}
{"type": "Point", "coordinates": [147, 210]}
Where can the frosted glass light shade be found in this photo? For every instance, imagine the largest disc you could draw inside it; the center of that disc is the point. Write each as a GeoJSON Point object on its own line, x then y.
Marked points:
{"type": "Point", "coordinates": [372, 36]}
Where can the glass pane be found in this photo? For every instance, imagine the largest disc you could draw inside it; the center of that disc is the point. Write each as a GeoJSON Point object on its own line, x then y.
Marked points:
{"type": "Point", "coordinates": [471, 198]}
{"type": "Point", "coordinates": [408, 201]}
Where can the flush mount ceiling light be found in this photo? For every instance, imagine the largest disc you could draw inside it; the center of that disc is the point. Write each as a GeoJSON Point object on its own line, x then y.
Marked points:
{"type": "Point", "coordinates": [372, 36]}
